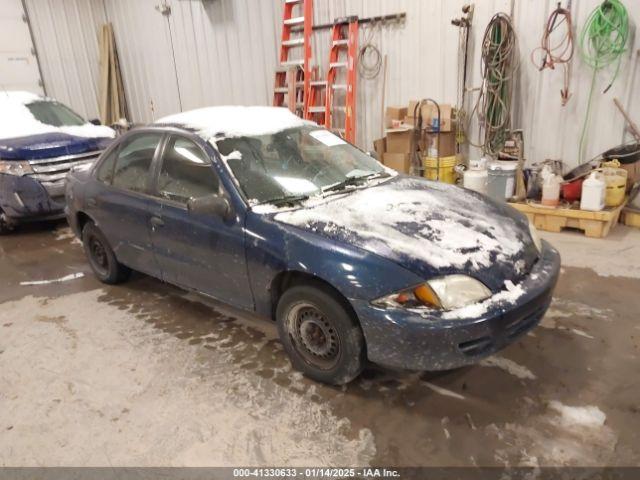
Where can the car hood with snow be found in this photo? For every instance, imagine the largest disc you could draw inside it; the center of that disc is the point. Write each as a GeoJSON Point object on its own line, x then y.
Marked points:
{"type": "Point", "coordinates": [429, 228]}
{"type": "Point", "coordinates": [25, 137]}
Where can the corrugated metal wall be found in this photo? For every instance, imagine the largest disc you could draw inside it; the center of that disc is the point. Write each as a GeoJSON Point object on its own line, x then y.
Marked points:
{"type": "Point", "coordinates": [225, 52]}
{"type": "Point", "coordinates": [66, 37]}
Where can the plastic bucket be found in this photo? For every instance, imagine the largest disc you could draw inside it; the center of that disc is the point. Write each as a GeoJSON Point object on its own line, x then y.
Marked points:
{"type": "Point", "coordinates": [571, 191]}
{"type": "Point", "coordinates": [501, 182]}
{"type": "Point", "coordinates": [616, 180]}
{"type": "Point", "coordinates": [441, 169]}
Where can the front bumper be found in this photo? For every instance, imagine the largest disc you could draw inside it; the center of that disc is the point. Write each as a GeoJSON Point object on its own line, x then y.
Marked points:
{"type": "Point", "coordinates": [25, 199]}
{"type": "Point", "coordinates": [402, 339]}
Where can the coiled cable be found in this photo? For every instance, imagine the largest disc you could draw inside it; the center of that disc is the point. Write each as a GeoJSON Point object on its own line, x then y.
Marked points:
{"type": "Point", "coordinates": [498, 64]}
{"type": "Point", "coordinates": [369, 56]}
{"type": "Point", "coordinates": [560, 52]}
{"type": "Point", "coordinates": [603, 41]}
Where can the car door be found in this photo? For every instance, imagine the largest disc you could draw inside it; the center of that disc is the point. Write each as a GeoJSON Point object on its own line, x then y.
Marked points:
{"type": "Point", "coordinates": [197, 251]}
{"type": "Point", "coordinates": [121, 202]}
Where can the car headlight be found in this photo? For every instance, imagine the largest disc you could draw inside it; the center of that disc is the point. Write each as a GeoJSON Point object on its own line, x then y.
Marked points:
{"type": "Point", "coordinates": [15, 167]}
{"type": "Point", "coordinates": [533, 231]}
{"type": "Point", "coordinates": [444, 293]}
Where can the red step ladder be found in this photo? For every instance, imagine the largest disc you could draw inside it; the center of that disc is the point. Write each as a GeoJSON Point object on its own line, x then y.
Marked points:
{"type": "Point", "coordinates": [316, 105]}
{"type": "Point", "coordinates": [294, 74]}
{"type": "Point", "coordinates": [344, 39]}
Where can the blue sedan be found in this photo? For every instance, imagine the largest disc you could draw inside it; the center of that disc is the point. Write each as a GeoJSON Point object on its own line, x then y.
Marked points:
{"type": "Point", "coordinates": [270, 213]}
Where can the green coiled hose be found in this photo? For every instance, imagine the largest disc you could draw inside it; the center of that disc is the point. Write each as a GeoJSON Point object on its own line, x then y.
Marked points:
{"type": "Point", "coordinates": [603, 41]}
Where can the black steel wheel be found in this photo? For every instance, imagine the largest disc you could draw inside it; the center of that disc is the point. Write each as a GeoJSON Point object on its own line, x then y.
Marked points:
{"type": "Point", "coordinates": [101, 258]}
{"type": "Point", "coordinates": [4, 225]}
{"type": "Point", "coordinates": [320, 334]}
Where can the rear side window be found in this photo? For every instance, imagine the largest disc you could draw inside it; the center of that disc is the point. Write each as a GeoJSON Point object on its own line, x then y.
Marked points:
{"type": "Point", "coordinates": [134, 162]}
{"type": "Point", "coordinates": [105, 169]}
{"type": "Point", "coordinates": [186, 172]}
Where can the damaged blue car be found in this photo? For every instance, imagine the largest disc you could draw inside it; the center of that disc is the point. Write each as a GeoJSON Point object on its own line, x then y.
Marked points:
{"type": "Point", "coordinates": [41, 140]}
{"type": "Point", "coordinates": [270, 213]}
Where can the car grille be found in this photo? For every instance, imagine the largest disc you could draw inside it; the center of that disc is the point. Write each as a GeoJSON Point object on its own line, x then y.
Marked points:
{"type": "Point", "coordinates": [51, 172]}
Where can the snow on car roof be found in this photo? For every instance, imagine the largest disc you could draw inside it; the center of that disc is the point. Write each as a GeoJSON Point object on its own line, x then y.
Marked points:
{"type": "Point", "coordinates": [16, 120]}
{"type": "Point", "coordinates": [236, 121]}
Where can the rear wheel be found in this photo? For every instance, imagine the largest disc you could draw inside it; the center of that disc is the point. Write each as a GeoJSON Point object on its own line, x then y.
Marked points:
{"type": "Point", "coordinates": [101, 258]}
{"type": "Point", "coordinates": [320, 335]}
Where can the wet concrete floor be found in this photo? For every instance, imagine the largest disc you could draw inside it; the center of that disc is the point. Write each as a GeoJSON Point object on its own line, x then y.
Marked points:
{"type": "Point", "coordinates": [146, 374]}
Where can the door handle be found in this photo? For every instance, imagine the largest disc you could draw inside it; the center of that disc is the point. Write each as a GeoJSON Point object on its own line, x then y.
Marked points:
{"type": "Point", "coordinates": [156, 222]}
{"type": "Point", "coordinates": [92, 202]}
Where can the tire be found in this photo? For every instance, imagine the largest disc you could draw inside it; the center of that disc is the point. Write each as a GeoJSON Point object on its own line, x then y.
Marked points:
{"type": "Point", "coordinates": [4, 226]}
{"type": "Point", "coordinates": [103, 261]}
{"type": "Point", "coordinates": [319, 334]}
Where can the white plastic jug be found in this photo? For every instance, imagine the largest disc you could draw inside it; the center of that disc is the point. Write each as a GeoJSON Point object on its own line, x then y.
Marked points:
{"type": "Point", "coordinates": [551, 190]}
{"type": "Point", "coordinates": [593, 192]}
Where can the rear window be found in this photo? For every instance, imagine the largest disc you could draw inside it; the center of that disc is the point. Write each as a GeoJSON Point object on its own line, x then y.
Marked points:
{"type": "Point", "coordinates": [55, 114]}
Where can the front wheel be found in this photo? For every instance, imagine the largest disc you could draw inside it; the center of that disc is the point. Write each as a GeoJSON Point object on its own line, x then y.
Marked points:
{"type": "Point", "coordinates": [320, 335]}
{"type": "Point", "coordinates": [4, 225]}
{"type": "Point", "coordinates": [101, 258]}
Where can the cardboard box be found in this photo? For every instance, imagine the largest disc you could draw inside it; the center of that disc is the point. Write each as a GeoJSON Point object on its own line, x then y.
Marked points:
{"type": "Point", "coordinates": [399, 140]}
{"type": "Point", "coordinates": [445, 147]}
{"type": "Point", "coordinates": [396, 113]}
{"type": "Point", "coordinates": [380, 146]}
{"type": "Point", "coordinates": [429, 112]}
{"type": "Point", "coordinates": [400, 162]}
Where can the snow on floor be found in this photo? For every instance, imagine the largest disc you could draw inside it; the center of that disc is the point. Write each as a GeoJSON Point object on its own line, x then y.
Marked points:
{"type": "Point", "coordinates": [558, 436]}
{"type": "Point", "coordinates": [161, 402]}
{"type": "Point", "coordinates": [591, 417]}
{"type": "Point", "coordinates": [66, 278]}
{"type": "Point", "coordinates": [509, 366]}
{"type": "Point", "coordinates": [443, 391]}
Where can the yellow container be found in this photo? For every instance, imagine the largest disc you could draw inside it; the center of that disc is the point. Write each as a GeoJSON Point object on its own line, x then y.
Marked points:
{"type": "Point", "coordinates": [616, 180]}
{"type": "Point", "coordinates": [445, 172]}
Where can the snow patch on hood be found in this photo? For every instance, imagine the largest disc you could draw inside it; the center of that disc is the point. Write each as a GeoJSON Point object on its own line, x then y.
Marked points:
{"type": "Point", "coordinates": [17, 121]}
{"type": "Point", "coordinates": [236, 121]}
{"type": "Point", "coordinates": [445, 226]}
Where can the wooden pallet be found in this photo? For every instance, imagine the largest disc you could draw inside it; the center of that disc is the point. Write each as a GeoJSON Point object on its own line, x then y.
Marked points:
{"type": "Point", "coordinates": [594, 224]}
{"type": "Point", "coordinates": [631, 218]}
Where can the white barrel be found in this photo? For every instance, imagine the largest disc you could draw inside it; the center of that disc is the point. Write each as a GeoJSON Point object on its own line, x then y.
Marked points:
{"type": "Point", "coordinates": [593, 192]}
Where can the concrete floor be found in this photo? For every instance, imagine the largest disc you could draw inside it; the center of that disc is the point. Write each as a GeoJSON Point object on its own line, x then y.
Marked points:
{"type": "Point", "coordinates": [146, 374]}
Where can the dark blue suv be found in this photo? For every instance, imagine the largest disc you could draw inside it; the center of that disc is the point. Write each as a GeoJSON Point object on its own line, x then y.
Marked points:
{"type": "Point", "coordinates": [273, 214]}
{"type": "Point", "coordinates": [41, 140]}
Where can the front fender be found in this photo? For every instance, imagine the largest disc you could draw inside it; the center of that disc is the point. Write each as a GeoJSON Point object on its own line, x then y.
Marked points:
{"type": "Point", "coordinates": [273, 248]}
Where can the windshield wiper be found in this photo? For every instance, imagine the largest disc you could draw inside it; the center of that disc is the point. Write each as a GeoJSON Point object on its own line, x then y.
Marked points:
{"type": "Point", "coordinates": [354, 181]}
{"type": "Point", "coordinates": [286, 199]}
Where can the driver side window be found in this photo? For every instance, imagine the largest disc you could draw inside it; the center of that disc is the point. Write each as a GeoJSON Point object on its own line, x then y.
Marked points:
{"type": "Point", "coordinates": [186, 172]}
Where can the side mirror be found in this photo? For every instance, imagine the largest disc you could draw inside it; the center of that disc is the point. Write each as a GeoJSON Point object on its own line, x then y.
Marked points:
{"type": "Point", "coordinates": [210, 205]}
{"type": "Point", "coordinates": [95, 121]}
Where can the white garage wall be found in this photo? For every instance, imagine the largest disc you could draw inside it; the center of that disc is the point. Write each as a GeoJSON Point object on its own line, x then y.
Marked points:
{"type": "Point", "coordinates": [66, 37]}
{"type": "Point", "coordinates": [225, 52]}
{"type": "Point", "coordinates": [18, 63]}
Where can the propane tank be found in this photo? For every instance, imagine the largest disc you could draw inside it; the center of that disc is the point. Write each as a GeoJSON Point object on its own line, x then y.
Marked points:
{"type": "Point", "coordinates": [475, 177]}
{"type": "Point", "coordinates": [593, 192]}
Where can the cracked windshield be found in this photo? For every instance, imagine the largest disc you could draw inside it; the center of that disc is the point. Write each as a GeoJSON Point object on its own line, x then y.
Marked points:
{"type": "Point", "coordinates": [296, 163]}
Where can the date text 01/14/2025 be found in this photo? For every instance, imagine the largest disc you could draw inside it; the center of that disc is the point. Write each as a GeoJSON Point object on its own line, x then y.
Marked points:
{"type": "Point", "coordinates": [315, 473]}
